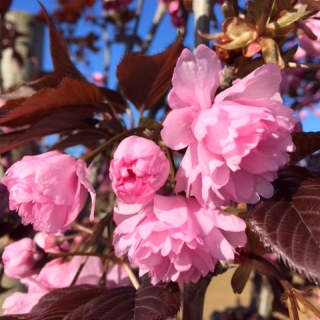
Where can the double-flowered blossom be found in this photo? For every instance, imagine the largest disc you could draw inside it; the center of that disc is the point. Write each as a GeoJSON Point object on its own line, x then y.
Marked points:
{"type": "Point", "coordinates": [49, 190]}
{"type": "Point", "coordinates": [237, 140]}
{"type": "Point", "coordinates": [176, 239]}
{"type": "Point", "coordinates": [138, 169]}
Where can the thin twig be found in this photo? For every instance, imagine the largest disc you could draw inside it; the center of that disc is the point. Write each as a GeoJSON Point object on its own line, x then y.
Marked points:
{"type": "Point", "coordinates": [131, 275]}
{"type": "Point", "coordinates": [158, 17]}
{"type": "Point", "coordinates": [303, 65]}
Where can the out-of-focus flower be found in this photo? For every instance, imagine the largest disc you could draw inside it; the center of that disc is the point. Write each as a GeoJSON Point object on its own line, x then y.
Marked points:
{"type": "Point", "coordinates": [48, 190]}
{"type": "Point", "coordinates": [20, 258]}
{"type": "Point", "coordinates": [98, 79]}
{"type": "Point", "coordinates": [139, 167]}
{"type": "Point", "coordinates": [19, 303]}
{"type": "Point", "coordinates": [176, 239]}
{"type": "Point", "coordinates": [309, 46]}
{"type": "Point", "coordinates": [175, 12]}
{"type": "Point", "coordinates": [116, 277]}
{"type": "Point", "coordinates": [55, 274]}
{"type": "Point", "coordinates": [58, 274]}
{"type": "Point", "coordinates": [237, 140]}
{"type": "Point", "coordinates": [303, 114]}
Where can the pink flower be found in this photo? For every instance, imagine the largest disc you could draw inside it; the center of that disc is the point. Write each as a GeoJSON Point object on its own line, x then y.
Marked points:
{"type": "Point", "coordinates": [98, 79]}
{"type": "Point", "coordinates": [48, 190]}
{"type": "Point", "coordinates": [176, 239]}
{"type": "Point", "coordinates": [55, 274]}
{"type": "Point", "coordinates": [20, 258]}
{"type": "Point", "coordinates": [236, 140]}
{"type": "Point", "coordinates": [309, 46]}
{"type": "Point", "coordinates": [139, 168]}
{"type": "Point", "coordinates": [20, 303]}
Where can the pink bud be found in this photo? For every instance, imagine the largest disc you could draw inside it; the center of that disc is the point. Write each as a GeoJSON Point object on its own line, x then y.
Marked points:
{"type": "Point", "coordinates": [138, 170]}
{"type": "Point", "coordinates": [20, 258]}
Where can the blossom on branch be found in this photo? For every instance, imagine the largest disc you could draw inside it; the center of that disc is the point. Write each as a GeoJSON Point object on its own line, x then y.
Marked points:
{"type": "Point", "coordinates": [138, 169]}
{"type": "Point", "coordinates": [176, 239]}
{"type": "Point", "coordinates": [48, 190]}
{"type": "Point", "coordinates": [237, 140]}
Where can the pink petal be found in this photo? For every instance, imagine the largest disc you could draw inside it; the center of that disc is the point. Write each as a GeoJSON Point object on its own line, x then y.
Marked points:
{"type": "Point", "coordinates": [262, 83]}
{"type": "Point", "coordinates": [176, 132]}
{"type": "Point", "coordinates": [196, 77]}
{"type": "Point", "coordinates": [82, 174]}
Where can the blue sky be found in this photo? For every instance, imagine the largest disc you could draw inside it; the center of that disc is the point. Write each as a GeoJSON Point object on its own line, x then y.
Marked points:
{"type": "Point", "coordinates": [164, 37]}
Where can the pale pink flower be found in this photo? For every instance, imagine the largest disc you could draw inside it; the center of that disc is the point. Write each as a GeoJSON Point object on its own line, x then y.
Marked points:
{"type": "Point", "coordinates": [98, 79]}
{"type": "Point", "coordinates": [20, 258]}
{"type": "Point", "coordinates": [236, 140]}
{"type": "Point", "coordinates": [309, 46]}
{"type": "Point", "coordinates": [138, 169]}
{"type": "Point", "coordinates": [54, 275]}
{"type": "Point", "coordinates": [48, 190]}
{"type": "Point", "coordinates": [176, 239]}
{"type": "Point", "coordinates": [20, 303]}
{"type": "Point", "coordinates": [303, 114]}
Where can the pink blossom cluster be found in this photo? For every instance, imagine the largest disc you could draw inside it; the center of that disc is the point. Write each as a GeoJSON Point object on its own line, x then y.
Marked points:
{"type": "Point", "coordinates": [236, 142]}
{"type": "Point", "coordinates": [27, 260]}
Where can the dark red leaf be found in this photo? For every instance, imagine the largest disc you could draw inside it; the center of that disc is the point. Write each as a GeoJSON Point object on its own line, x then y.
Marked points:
{"type": "Point", "coordinates": [145, 79]}
{"type": "Point", "coordinates": [49, 300]}
{"type": "Point", "coordinates": [290, 220]}
{"type": "Point", "coordinates": [87, 138]}
{"type": "Point", "coordinates": [4, 6]}
{"type": "Point", "coordinates": [57, 123]}
{"type": "Point", "coordinates": [59, 52]}
{"type": "Point", "coordinates": [157, 302]}
{"type": "Point", "coordinates": [115, 304]}
{"type": "Point", "coordinates": [72, 95]}
{"type": "Point", "coordinates": [95, 303]}
{"type": "Point", "coordinates": [306, 144]}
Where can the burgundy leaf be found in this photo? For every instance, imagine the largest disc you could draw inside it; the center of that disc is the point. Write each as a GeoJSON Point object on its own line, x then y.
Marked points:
{"type": "Point", "coordinates": [145, 79]}
{"type": "Point", "coordinates": [87, 138]}
{"type": "Point", "coordinates": [86, 302]}
{"type": "Point", "coordinates": [115, 304]}
{"type": "Point", "coordinates": [157, 302]}
{"type": "Point", "coordinates": [49, 300]}
{"type": "Point", "coordinates": [57, 123]}
{"type": "Point", "coordinates": [290, 220]}
{"type": "Point", "coordinates": [4, 6]}
{"type": "Point", "coordinates": [72, 95]}
{"type": "Point", "coordinates": [306, 144]}
{"type": "Point", "coordinates": [62, 63]}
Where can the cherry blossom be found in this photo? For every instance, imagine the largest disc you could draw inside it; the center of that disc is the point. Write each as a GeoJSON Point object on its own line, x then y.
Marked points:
{"type": "Point", "coordinates": [48, 190]}
{"type": "Point", "coordinates": [176, 239]}
{"type": "Point", "coordinates": [237, 140]}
